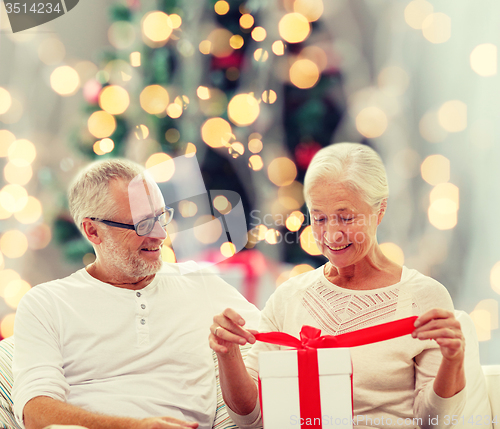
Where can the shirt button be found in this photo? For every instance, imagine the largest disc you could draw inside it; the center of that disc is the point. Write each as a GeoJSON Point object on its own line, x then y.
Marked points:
{"type": "Point", "coordinates": [138, 294]}
{"type": "Point", "coordinates": [143, 321]}
{"type": "Point", "coordinates": [143, 306]}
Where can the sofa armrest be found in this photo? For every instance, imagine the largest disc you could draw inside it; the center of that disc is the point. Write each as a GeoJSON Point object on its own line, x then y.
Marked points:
{"type": "Point", "coordinates": [492, 374]}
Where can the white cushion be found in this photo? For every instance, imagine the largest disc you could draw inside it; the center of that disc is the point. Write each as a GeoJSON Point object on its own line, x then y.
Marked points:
{"type": "Point", "coordinates": [492, 374]}
{"type": "Point", "coordinates": [477, 411]}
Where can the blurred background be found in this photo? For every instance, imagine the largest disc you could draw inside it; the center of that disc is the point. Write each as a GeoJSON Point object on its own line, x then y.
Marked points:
{"type": "Point", "coordinates": [253, 89]}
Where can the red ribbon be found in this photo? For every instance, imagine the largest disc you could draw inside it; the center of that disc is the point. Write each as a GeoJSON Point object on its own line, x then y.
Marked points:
{"type": "Point", "coordinates": [307, 357]}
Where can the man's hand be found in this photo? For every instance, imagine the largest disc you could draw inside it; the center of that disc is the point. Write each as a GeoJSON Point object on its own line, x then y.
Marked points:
{"type": "Point", "coordinates": [166, 423]}
{"type": "Point", "coordinates": [440, 325]}
{"type": "Point", "coordinates": [227, 332]}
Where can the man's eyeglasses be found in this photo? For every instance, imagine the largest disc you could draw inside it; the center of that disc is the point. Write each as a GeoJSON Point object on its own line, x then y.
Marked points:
{"type": "Point", "coordinates": [145, 226]}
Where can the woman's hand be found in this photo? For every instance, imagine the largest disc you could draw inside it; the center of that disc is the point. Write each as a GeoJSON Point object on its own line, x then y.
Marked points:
{"type": "Point", "coordinates": [440, 325]}
{"type": "Point", "coordinates": [227, 332]}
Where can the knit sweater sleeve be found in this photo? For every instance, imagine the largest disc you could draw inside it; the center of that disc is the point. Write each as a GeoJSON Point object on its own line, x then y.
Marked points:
{"type": "Point", "coordinates": [432, 410]}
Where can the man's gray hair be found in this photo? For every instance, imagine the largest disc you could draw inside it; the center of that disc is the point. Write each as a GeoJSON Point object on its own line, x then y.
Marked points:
{"type": "Point", "coordinates": [89, 196]}
{"type": "Point", "coordinates": [354, 165]}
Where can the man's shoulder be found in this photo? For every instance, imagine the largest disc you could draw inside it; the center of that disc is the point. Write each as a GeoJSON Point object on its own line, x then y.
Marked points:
{"type": "Point", "coordinates": [58, 287]}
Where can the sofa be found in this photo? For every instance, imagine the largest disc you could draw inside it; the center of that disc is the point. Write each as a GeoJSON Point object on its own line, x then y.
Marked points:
{"type": "Point", "coordinates": [483, 386]}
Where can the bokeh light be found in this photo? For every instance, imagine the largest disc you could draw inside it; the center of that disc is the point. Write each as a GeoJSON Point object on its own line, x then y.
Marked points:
{"type": "Point", "coordinates": [172, 135]}
{"type": "Point", "coordinates": [14, 291]}
{"type": "Point", "coordinates": [21, 153]}
{"type": "Point", "coordinates": [207, 229]}
{"type": "Point", "coordinates": [291, 196]}
{"type": "Point", "coordinates": [300, 269]}
{"type": "Point", "coordinates": [394, 78]}
{"type": "Point", "coordinates": [65, 80]}
{"type": "Point", "coordinates": [154, 99]}
{"type": "Point", "coordinates": [6, 139]}
{"type": "Point", "coordinates": [482, 323]}
{"type": "Point", "coordinates": [156, 27]}
{"type": "Point", "coordinates": [259, 34]}
{"type": "Point", "coordinates": [436, 27]}
{"type": "Point", "coordinates": [101, 124]}
{"type": "Point", "coordinates": [255, 145]}
{"type": "Point", "coordinates": [452, 116]}
{"type": "Point", "coordinates": [416, 11]}
{"type": "Point", "coordinates": [278, 48]}
{"type": "Point", "coordinates": [443, 214]}
{"type": "Point", "coordinates": [435, 169]}
{"type": "Point", "coordinates": [5, 100]}
{"type": "Point", "coordinates": [483, 59]}
{"type": "Point", "coordinates": [316, 55]}
{"type": "Point", "coordinates": [187, 208]}
{"type": "Point", "coordinates": [236, 41]}
{"type": "Point", "coordinates": [282, 171]}
{"type": "Point", "coordinates": [269, 96]}
{"type": "Point", "coordinates": [307, 241]}
{"type": "Point", "coordinates": [221, 7]}
{"type": "Point", "coordinates": [393, 252]}
{"type": "Point", "coordinates": [304, 73]}
{"type": "Point", "coordinates": [17, 175]}
{"type": "Point", "coordinates": [294, 221]}
{"type": "Point", "coordinates": [236, 149]}
{"type": "Point", "coordinates": [294, 27]}
{"type": "Point", "coordinates": [7, 325]}
{"type": "Point", "coordinates": [203, 93]}
{"type": "Point", "coordinates": [261, 55]}
{"type": "Point", "coordinates": [371, 122]}
{"type": "Point", "coordinates": [491, 306]}
{"type": "Point", "coordinates": [228, 249]}
{"type": "Point", "coordinates": [243, 109]}
{"type": "Point", "coordinates": [114, 99]}
{"type": "Point", "coordinates": [175, 20]}
{"type": "Point", "coordinates": [13, 244]}
{"type": "Point", "coordinates": [311, 9]}
{"type": "Point", "coordinates": [13, 198]}
{"type": "Point", "coordinates": [216, 132]}
{"type": "Point", "coordinates": [121, 34]}
{"type": "Point", "coordinates": [246, 21]}
{"type": "Point", "coordinates": [135, 59]}
{"type": "Point", "coordinates": [430, 128]}
{"type": "Point", "coordinates": [446, 191]}
{"type": "Point", "coordinates": [39, 237]}
{"type": "Point", "coordinates": [168, 255]}
{"type": "Point", "coordinates": [161, 167]}
{"type": "Point", "coordinates": [221, 203]}
{"type": "Point", "coordinates": [51, 51]}
{"type": "Point", "coordinates": [220, 42]}
{"type": "Point", "coordinates": [205, 46]}
{"type": "Point", "coordinates": [255, 162]}
{"type": "Point", "coordinates": [190, 150]}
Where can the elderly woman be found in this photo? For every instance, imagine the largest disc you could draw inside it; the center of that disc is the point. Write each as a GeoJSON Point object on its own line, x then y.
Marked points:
{"type": "Point", "coordinates": [408, 377]}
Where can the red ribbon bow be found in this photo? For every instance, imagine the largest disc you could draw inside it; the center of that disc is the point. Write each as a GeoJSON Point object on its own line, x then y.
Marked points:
{"type": "Point", "coordinates": [310, 341]}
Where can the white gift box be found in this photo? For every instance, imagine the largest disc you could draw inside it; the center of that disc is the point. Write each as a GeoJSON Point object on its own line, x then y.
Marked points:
{"type": "Point", "coordinates": [278, 371]}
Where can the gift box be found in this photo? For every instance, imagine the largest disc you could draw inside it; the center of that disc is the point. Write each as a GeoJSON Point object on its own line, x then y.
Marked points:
{"type": "Point", "coordinates": [311, 387]}
{"type": "Point", "coordinates": [288, 397]}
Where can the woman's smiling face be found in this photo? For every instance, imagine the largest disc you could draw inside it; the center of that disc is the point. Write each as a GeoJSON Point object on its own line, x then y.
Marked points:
{"type": "Point", "coordinates": [344, 225]}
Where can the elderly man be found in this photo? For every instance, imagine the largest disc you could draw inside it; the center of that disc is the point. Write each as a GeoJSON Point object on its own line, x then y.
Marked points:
{"type": "Point", "coordinates": [120, 343]}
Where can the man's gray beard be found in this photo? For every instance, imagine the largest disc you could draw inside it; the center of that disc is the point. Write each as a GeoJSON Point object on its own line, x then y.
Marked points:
{"type": "Point", "coordinates": [128, 263]}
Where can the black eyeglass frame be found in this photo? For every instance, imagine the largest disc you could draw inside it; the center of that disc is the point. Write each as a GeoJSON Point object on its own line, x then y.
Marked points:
{"type": "Point", "coordinates": [135, 226]}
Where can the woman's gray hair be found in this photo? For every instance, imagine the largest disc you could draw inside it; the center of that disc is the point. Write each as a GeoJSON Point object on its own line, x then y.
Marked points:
{"type": "Point", "coordinates": [354, 165]}
{"type": "Point", "coordinates": [89, 196]}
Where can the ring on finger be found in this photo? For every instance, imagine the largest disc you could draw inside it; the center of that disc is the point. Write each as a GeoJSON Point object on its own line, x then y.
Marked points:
{"type": "Point", "coordinates": [215, 332]}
